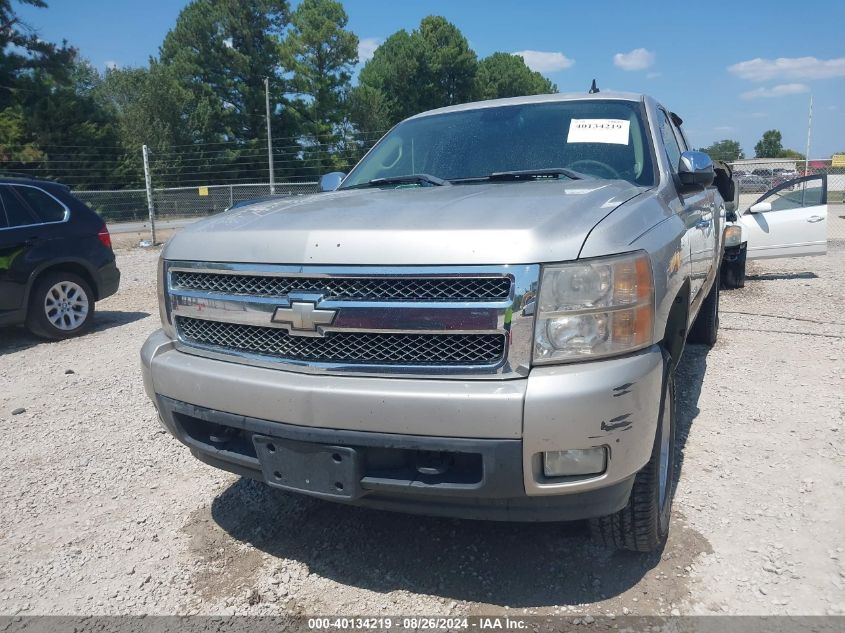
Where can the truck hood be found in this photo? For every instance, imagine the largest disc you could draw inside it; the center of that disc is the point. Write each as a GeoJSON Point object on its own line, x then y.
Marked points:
{"type": "Point", "coordinates": [488, 223]}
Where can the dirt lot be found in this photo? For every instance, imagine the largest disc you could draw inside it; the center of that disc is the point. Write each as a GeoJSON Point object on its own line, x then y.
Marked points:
{"type": "Point", "coordinates": [104, 513]}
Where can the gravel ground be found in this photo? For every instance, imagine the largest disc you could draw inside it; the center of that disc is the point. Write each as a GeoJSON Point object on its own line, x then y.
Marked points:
{"type": "Point", "coordinates": [105, 513]}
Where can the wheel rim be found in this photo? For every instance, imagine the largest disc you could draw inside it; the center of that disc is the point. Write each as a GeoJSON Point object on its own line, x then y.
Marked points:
{"type": "Point", "coordinates": [66, 305]}
{"type": "Point", "coordinates": [665, 437]}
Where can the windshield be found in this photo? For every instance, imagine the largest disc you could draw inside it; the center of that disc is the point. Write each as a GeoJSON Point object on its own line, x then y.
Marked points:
{"type": "Point", "coordinates": [602, 139]}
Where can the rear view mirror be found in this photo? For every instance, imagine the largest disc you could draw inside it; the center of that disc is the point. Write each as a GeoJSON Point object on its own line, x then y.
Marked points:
{"type": "Point", "coordinates": [760, 207]}
{"type": "Point", "coordinates": [696, 168]}
{"type": "Point", "coordinates": [331, 181]}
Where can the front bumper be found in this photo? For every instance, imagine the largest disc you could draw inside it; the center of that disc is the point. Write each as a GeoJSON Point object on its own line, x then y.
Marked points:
{"type": "Point", "coordinates": [506, 424]}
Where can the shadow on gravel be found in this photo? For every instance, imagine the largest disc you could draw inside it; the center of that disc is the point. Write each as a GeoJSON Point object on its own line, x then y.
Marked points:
{"type": "Point", "coordinates": [14, 339]}
{"type": "Point", "coordinates": [781, 276]}
{"type": "Point", "coordinates": [513, 564]}
{"type": "Point", "coordinates": [689, 377]}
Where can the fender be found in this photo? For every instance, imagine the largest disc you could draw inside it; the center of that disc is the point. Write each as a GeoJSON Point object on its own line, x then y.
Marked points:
{"type": "Point", "coordinates": [90, 272]}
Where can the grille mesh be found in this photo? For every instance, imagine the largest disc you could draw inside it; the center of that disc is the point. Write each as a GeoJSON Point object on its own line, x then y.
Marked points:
{"type": "Point", "coordinates": [347, 347]}
{"type": "Point", "coordinates": [350, 288]}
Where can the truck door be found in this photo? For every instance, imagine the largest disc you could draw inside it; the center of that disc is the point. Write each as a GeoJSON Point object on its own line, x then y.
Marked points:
{"type": "Point", "coordinates": [705, 240]}
{"type": "Point", "coordinates": [695, 204]}
{"type": "Point", "coordinates": [788, 221]}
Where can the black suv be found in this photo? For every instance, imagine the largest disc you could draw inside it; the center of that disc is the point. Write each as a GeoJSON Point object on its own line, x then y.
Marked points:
{"type": "Point", "coordinates": [56, 259]}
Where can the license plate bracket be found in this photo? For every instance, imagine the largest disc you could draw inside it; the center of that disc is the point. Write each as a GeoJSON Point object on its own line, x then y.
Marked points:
{"type": "Point", "coordinates": [317, 469]}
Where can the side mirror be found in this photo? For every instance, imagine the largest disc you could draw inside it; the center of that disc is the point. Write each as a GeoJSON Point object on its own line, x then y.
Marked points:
{"type": "Point", "coordinates": [760, 207]}
{"type": "Point", "coordinates": [696, 168]}
{"type": "Point", "coordinates": [331, 181]}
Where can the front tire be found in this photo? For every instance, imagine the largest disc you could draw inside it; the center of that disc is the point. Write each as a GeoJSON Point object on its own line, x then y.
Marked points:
{"type": "Point", "coordinates": [643, 524]}
{"type": "Point", "coordinates": [705, 329]}
{"type": "Point", "coordinates": [61, 306]}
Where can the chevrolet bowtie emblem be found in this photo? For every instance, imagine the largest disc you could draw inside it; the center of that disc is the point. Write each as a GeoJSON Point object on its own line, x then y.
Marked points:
{"type": "Point", "coordinates": [303, 318]}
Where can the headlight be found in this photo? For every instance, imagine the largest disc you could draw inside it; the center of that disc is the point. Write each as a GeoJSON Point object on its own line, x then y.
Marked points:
{"type": "Point", "coordinates": [733, 235]}
{"type": "Point", "coordinates": [594, 308]}
{"type": "Point", "coordinates": [163, 299]}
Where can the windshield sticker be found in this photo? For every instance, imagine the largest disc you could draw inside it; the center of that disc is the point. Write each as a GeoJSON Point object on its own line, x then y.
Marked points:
{"type": "Point", "coordinates": [613, 131]}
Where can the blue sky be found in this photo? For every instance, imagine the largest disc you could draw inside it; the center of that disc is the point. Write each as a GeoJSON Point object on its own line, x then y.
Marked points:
{"type": "Point", "coordinates": [731, 70]}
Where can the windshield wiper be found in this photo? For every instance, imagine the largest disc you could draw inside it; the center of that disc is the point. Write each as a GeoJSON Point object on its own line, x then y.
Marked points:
{"type": "Point", "coordinates": [427, 179]}
{"type": "Point", "coordinates": [525, 174]}
{"type": "Point", "coordinates": [536, 173]}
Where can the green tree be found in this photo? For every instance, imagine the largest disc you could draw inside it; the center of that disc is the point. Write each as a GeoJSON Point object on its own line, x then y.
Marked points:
{"type": "Point", "coordinates": [430, 67]}
{"type": "Point", "coordinates": [450, 62]}
{"type": "Point", "coordinates": [727, 150]}
{"type": "Point", "coordinates": [321, 53]}
{"type": "Point", "coordinates": [50, 125]}
{"type": "Point", "coordinates": [505, 75]}
{"type": "Point", "coordinates": [22, 53]}
{"type": "Point", "coordinates": [396, 72]}
{"type": "Point", "coordinates": [77, 137]}
{"type": "Point", "coordinates": [221, 51]}
{"type": "Point", "coordinates": [791, 153]}
{"type": "Point", "coordinates": [367, 119]}
{"type": "Point", "coordinates": [150, 108]}
{"type": "Point", "coordinates": [770, 146]}
{"type": "Point", "coordinates": [15, 146]}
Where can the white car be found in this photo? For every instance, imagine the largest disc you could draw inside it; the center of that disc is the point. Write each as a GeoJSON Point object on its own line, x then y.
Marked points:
{"type": "Point", "coordinates": [789, 220]}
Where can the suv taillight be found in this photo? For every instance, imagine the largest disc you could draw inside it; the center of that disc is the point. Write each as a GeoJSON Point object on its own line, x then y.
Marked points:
{"type": "Point", "coordinates": [104, 237]}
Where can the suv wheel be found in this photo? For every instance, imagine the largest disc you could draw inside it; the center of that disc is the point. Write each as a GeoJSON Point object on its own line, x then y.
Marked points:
{"type": "Point", "coordinates": [643, 524]}
{"type": "Point", "coordinates": [705, 329]}
{"type": "Point", "coordinates": [61, 306]}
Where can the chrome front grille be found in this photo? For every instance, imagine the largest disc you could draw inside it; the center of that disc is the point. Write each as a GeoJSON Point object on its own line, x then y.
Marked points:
{"type": "Point", "coordinates": [347, 347]}
{"type": "Point", "coordinates": [457, 321]}
{"type": "Point", "coordinates": [464, 289]}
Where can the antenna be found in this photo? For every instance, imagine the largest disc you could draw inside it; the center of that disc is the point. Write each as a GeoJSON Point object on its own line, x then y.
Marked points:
{"type": "Point", "coordinates": [593, 89]}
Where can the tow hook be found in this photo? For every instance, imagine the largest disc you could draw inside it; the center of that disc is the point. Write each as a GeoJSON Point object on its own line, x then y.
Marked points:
{"type": "Point", "coordinates": [433, 463]}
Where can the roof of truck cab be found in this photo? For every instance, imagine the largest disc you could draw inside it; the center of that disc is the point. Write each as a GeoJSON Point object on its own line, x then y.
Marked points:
{"type": "Point", "coordinates": [544, 98]}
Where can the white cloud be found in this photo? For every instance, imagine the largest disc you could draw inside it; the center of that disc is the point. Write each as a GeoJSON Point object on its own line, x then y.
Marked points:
{"type": "Point", "coordinates": [781, 90]}
{"type": "Point", "coordinates": [724, 128]}
{"type": "Point", "coordinates": [545, 61]}
{"type": "Point", "coordinates": [802, 68]}
{"type": "Point", "coordinates": [110, 65]}
{"type": "Point", "coordinates": [366, 48]}
{"type": "Point", "coordinates": [653, 75]}
{"type": "Point", "coordinates": [229, 42]}
{"type": "Point", "coordinates": [637, 59]}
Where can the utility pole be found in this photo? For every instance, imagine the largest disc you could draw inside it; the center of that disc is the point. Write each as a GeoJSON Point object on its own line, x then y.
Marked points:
{"type": "Point", "coordinates": [809, 135]}
{"type": "Point", "coordinates": [269, 135]}
{"type": "Point", "coordinates": [149, 183]}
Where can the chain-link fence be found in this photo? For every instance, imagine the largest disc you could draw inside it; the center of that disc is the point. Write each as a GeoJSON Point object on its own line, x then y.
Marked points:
{"type": "Point", "coordinates": [757, 176]}
{"type": "Point", "coordinates": [130, 205]}
{"type": "Point", "coordinates": [754, 177]}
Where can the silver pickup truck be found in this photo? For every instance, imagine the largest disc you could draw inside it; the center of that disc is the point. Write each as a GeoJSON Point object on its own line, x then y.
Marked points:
{"type": "Point", "coordinates": [481, 320]}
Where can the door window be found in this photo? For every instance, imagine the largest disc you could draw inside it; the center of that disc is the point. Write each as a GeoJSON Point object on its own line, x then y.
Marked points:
{"type": "Point", "coordinates": [44, 206]}
{"type": "Point", "coordinates": [17, 214]}
{"type": "Point", "coordinates": [807, 191]}
{"type": "Point", "coordinates": [670, 143]}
